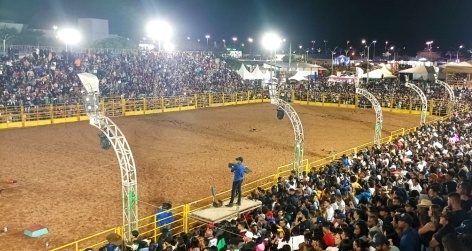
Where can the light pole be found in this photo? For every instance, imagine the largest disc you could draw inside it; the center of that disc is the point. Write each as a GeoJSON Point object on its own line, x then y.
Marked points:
{"type": "Point", "coordinates": [234, 41]}
{"type": "Point", "coordinates": [325, 42]}
{"type": "Point", "coordinates": [5, 39]}
{"type": "Point", "coordinates": [250, 40]}
{"type": "Point", "coordinates": [457, 54]}
{"type": "Point", "coordinates": [224, 43]}
{"type": "Point", "coordinates": [313, 46]}
{"type": "Point", "coordinates": [429, 45]}
{"type": "Point", "coordinates": [160, 31]}
{"type": "Point", "coordinates": [393, 51]}
{"type": "Point", "coordinates": [368, 55]}
{"type": "Point", "coordinates": [306, 56]}
{"type": "Point", "coordinates": [386, 43]}
{"type": "Point", "coordinates": [375, 41]}
{"type": "Point", "coordinates": [207, 37]}
{"type": "Point", "coordinates": [271, 42]}
{"type": "Point", "coordinates": [333, 52]}
{"type": "Point", "coordinates": [54, 27]}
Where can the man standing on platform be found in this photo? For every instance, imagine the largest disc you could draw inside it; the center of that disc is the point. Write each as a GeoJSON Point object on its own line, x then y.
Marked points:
{"type": "Point", "coordinates": [239, 169]}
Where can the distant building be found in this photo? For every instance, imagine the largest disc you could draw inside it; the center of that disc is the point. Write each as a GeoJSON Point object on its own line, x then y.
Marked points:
{"type": "Point", "coordinates": [9, 25]}
{"type": "Point", "coordinates": [93, 29]}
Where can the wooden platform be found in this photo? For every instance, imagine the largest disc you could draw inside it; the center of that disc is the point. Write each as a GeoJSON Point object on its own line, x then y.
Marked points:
{"type": "Point", "coordinates": [217, 214]}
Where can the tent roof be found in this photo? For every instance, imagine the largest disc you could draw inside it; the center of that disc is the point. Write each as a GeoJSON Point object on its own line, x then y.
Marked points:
{"type": "Point", "coordinates": [420, 70]}
{"type": "Point", "coordinates": [299, 76]}
{"type": "Point", "coordinates": [244, 73]}
{"type": "Point", "coordinates": [379, 73]}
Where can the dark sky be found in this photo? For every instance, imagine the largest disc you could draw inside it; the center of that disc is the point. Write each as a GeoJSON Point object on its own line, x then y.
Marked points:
{"type": "Point", "coordinates": [404, 23]}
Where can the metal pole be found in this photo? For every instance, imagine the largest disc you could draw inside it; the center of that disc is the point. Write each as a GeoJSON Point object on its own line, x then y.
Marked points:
{"type": "Point", "coordinates": [368, 49]}
{"type": "Point", "coordinates": [290, 57]}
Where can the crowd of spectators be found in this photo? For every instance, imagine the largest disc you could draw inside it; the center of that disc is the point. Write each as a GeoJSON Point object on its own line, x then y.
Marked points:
{"type": "Point", "coordinates": [47, 77]}
{"type": "Point", "coordinates": [412, 194]}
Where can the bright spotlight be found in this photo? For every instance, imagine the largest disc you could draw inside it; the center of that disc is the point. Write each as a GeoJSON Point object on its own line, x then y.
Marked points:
{"type": "Point", "coordinates": [159, 30]}
{"type": "Point", "coordinates": [69, 36]}
{"type": "Point", "coordinates": [271, 41]}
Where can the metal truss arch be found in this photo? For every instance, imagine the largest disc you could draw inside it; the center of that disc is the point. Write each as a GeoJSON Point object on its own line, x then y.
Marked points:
{"type": "Point", "coordinates": [450, 91]}
{"type": "Point", "coordinates": [378, 113]}
{"type": "Point", "coordinates": [296, 124]}
{"type": "Point", "coordinates": [424, 100]}
{"type": "Point", "coordinates": [128, 171]}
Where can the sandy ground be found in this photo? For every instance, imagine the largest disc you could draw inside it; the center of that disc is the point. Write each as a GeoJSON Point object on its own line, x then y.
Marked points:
{"type": "Point", "coordinates": [69, 184]}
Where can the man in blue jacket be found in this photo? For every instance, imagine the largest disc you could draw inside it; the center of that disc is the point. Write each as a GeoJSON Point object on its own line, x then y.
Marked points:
{"type": "Point", "coordinates": [239, 169]}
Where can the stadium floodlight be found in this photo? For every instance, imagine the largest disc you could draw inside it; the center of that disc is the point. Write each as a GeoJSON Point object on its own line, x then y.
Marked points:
{"type": "Point", "coordinates": [159, 30]}
{"type": "Point", "coordinates": [69, 36]}
{"type": "Point", "coordinates": [271, 41]}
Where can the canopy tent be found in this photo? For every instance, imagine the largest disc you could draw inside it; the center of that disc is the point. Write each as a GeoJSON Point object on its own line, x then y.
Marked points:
{"type": "Point", "coordinates": [462, 67]}
{"type": "Point", "coordinates": [89, 81]}
{"type": "Point", "coordinates": [349, 79]}
{"type": "Point", "coordinates": [421, 72]}
{"type": "Point", "coordinates": [258, 74]}
{"type": "Point", "coordinates": [379, 73]}
{"type": "Point", "coordinates": [299, 76]}
{"type": "Point", "coordinates": [244, 73]}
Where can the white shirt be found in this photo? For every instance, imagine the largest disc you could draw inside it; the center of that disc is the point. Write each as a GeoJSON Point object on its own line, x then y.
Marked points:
{"type": "Point", "coordinates": [329, 213]}
{"type": "Point", "coordinates": [417, 188]}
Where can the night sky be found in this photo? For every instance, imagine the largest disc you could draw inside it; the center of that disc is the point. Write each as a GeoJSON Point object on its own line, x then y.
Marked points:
{"type": "Point", "coordinates": [404, 23]}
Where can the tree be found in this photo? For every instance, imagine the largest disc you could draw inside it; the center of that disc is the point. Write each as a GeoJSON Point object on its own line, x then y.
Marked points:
{"type": "Point", "coordinates": [114, 43]}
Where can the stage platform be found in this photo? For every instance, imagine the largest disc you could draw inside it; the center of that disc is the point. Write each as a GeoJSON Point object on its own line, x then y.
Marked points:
{"type": "Point", "coordinates": [217, 214]}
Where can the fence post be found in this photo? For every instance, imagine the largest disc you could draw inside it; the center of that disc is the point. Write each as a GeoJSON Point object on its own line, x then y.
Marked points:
{"type": "Point", "coordinates": [123, 106]}
{"type": "Point", "coordinates": [411, 105]}
{"type": "Point", "coordinates": [22, 116]}
{"type": "Point", "coordinates": [186, 216]}
{"type": "Point", "coordinates": [209, 99]}
{"type": "Point", "coordinates": [223, 97]}
{"type": "Point", "coordinates": [144, 105]}
{"type": "Point", "coordinates": [195, 100]}
{"type": "Point", "coordinates": [162, 104]}
{"type": "Point", "coordinates": [356, 101]}
{"type": "Point", "coordinates": [51, 113]}
{"type": "Point", "coordinates": [155, 228]}
{"type": "Point", "coordinates": [78, 111]}
{"type": "Point", "coordinates": [431, 105]}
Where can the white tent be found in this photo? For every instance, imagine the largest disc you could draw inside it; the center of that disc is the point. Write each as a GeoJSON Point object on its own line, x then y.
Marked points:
{"type": "Point", "coordinates": [257, 73]}
{"type": "Point", "coordinates": [299, 76]}
{"type": "Point", "coordinates": [244, 73]}
{"type": "Point", "coordinates": [421, 72]}
{"type": "Point", "coordinates": [89, 81]}
{"type": "Point", "coordinates": [379, 73]}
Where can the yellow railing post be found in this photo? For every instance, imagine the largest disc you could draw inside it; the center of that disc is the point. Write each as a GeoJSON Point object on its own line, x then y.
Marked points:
{"type": "Point", "coordinates": [223, 97]}
{"type": "Point", "coordinates": [163, 108]}
{"type": "Point", "coordinates": [155, 228]}
{"type": "Point", "coordinates": [102, 104]}
{"type": "Point", "coordinates": [51, 113]}
{"type": "Point", "coordinates": [195, 100]}
{"type": "Point", "coordinates": [144, 105]}
{"type": "Point", "coordinates": [411, 104]}
{"type": "Point", "coordinates": [391, 103]}
{"type": "Point", "coordinates": [431, 106]}
{"type": "Point", "coordinates": [186, 216]}
{"type": "Point", "coordinates": [210, 98]}
{"type": "Point", "coordinates": [356, 100]}
{"type": "Point", "coordinates": [22, 114]}
{"type": "Point", "coordinates": [77, 108]}
{"type": "Point", "coordinates": [123, 106]}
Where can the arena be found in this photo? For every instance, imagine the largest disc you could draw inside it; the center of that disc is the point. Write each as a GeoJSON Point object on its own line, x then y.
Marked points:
{"type": "Point", "coordinates": [66, 182]}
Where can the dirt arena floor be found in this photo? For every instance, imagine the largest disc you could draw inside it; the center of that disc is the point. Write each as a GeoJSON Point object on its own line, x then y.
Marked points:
{"type": "Point", "coordinates": [69, 184]}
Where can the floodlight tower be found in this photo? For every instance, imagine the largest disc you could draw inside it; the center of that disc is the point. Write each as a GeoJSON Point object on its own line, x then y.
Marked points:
{"type": "Point", "coordinates": [450, 91]}
{"type": "Point", "coordinates": [122, 150]}
{"type": "Point", "coordinates": [424, 101]}
{"type": "Point", "coordinates": [272, 42]}
{"type": "Point", "coordinates": [378, 111]}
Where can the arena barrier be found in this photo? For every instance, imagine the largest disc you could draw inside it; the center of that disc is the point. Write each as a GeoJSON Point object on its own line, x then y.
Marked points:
{"type": "Point", "coordinates": [26, 116]}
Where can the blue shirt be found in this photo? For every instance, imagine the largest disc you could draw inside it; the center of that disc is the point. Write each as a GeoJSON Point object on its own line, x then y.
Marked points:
{"type": "Point", "coordinates": [164, 218]}
{"type": "Point", "coordinates": [238, 170]}
{"type": "Point", "coordinates": [410, 240]}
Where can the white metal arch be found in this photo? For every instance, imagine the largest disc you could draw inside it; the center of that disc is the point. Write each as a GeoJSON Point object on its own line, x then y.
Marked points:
{"type": "Point", "coordinates": [450, 91]}
{"type": "Point", "coordinates": [424, 101]}
{"type": "Point", "coordinates": [296, 124]}
{"type": "Point", "coordinates": [129, 182]}
{"type": "Point", "coordinates": [378, 113]}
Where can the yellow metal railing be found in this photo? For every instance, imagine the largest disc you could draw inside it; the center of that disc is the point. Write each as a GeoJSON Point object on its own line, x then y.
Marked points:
{"type": "Point", "coordinates": [23, 116]}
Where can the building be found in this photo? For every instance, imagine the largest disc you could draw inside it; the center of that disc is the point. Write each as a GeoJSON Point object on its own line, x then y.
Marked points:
{"type": "Point", "coordinates": [9, 25]}
{"type": "Point", "coordinates": [93, 29]}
